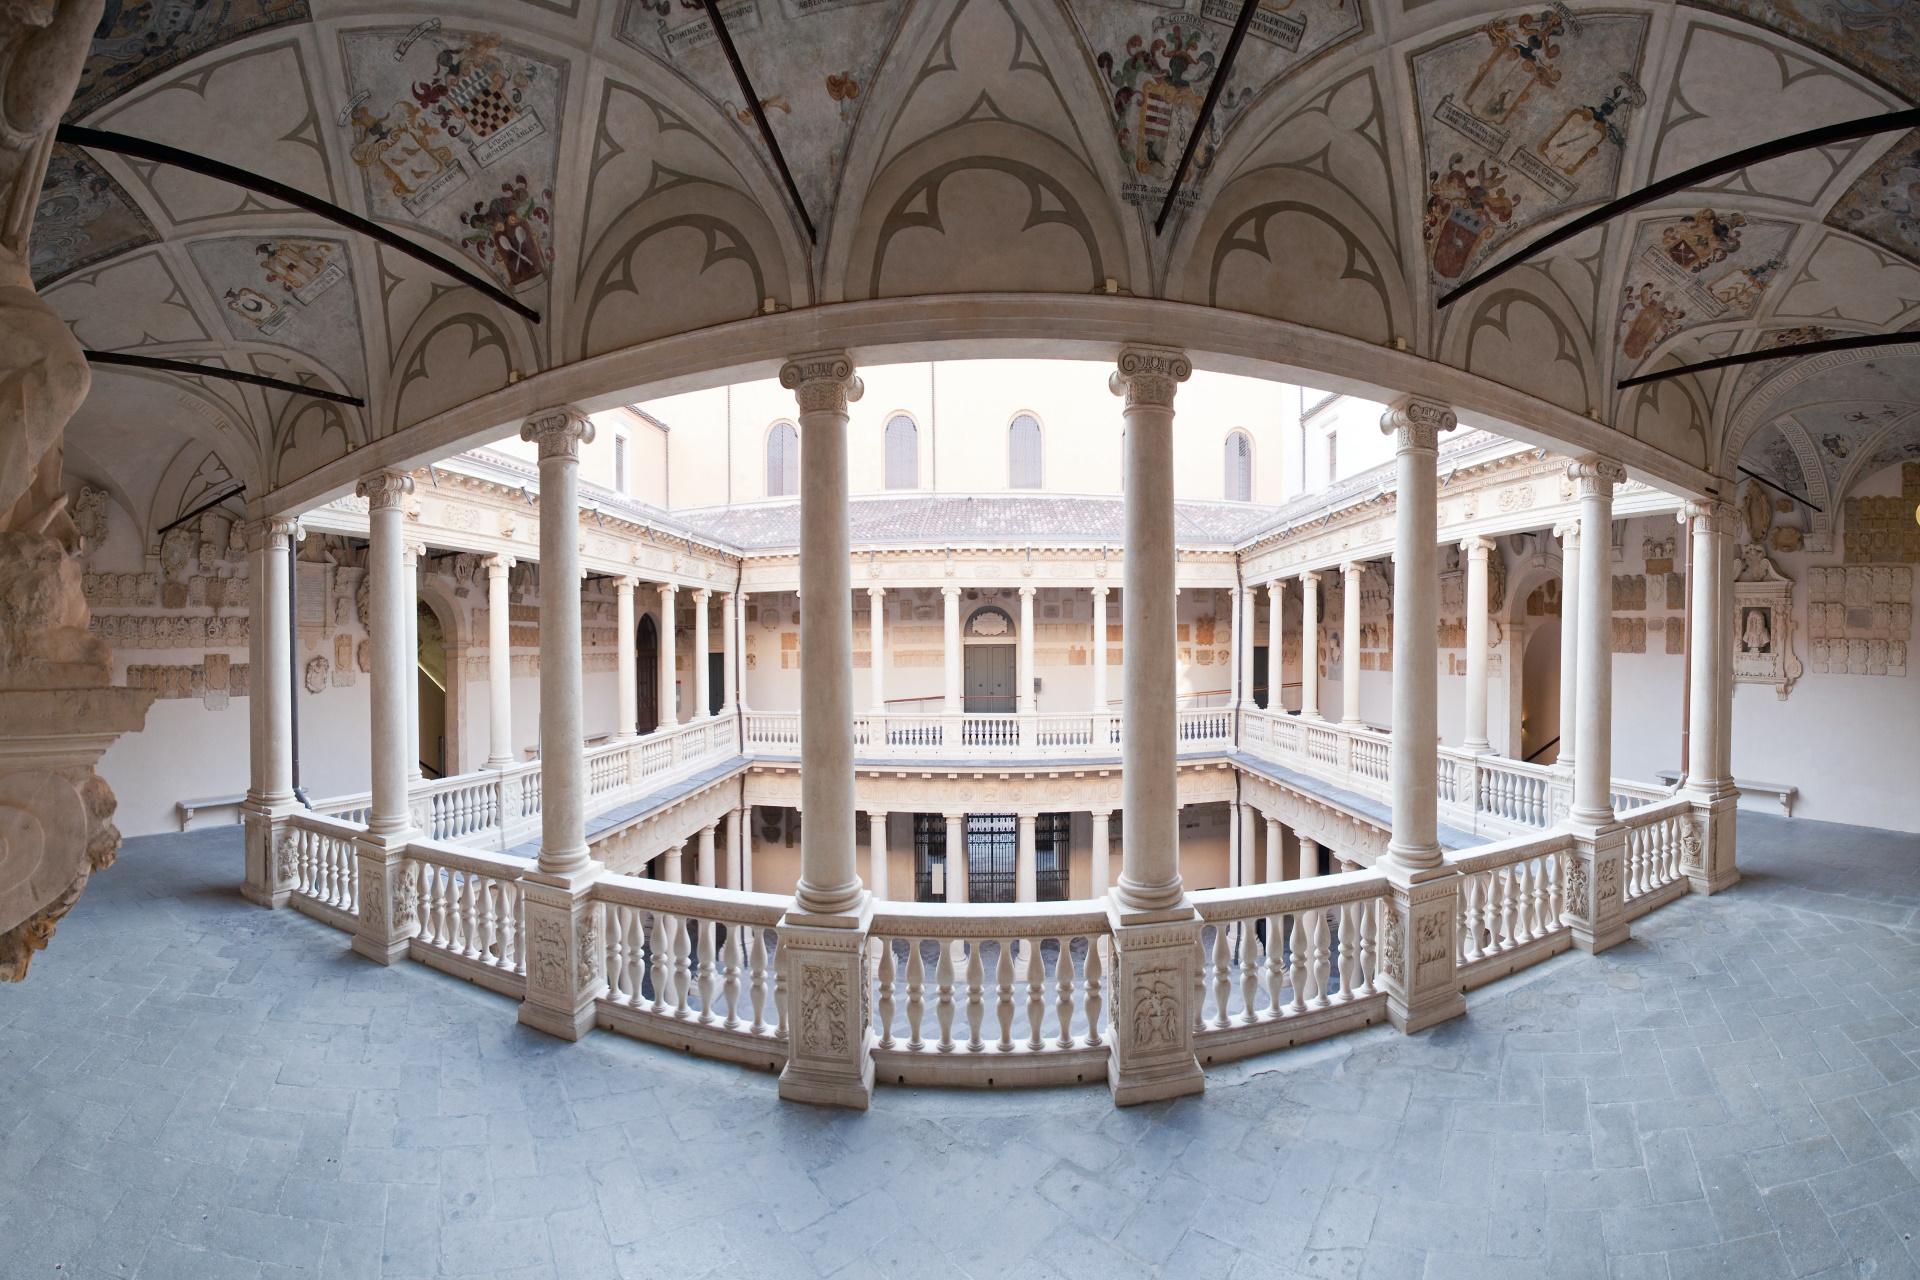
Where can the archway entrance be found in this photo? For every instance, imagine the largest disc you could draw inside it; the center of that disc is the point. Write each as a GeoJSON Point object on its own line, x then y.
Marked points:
{"type": "Point", "coordinates": [989, 662]}
{"type": "Point", "coordinates": [1540, 693]}
{"type": "Point", "coordinates": [430, 674]}
{"type": "Point", "coordinates": [646, 682]}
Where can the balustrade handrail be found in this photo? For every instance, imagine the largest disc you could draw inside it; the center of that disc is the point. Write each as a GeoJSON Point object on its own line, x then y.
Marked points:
{"type": "Point", "coordinates": [1506, 853]}
{"type": "Point", "coordinates": [503, 866]}
{"type": "Point", "coordinates": [729, 906]}
{"type": "Point", "coordinates": [1648, 814]}
{"type": "Point", "coordinates": [960, 920]}
{"type": "Point", "coordinates": [1247, 901]}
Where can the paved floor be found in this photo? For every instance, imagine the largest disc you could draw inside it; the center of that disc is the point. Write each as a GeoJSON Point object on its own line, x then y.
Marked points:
{"type": "Point", "coordinates": [197, 1088]}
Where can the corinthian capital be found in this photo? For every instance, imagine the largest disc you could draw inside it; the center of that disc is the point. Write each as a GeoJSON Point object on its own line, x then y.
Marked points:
{"type": "Point", "coordinates": [558, 433]}
{"type": "Point", "coordinates": [1416, 424]}
{"type": "Point", "coordinates": [823, 382]}
{"type": "Point", "coordinates": [271, 533]}
{"type": "Point", "coordinates": [385, 490]}
{"type": "Point", "coordinates": [1148, 376]}
{"type": "Point", "coordinates": [1710, 515]}
{"type": "Point", "coordinates": [1595, 476]}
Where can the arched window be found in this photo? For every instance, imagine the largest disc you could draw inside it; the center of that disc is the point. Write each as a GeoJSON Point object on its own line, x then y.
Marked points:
{"type": "Point", "coordinates": [1239, 467]}
{"type": "Point", "coordinates": [783, 461]}
{"type": "Point", "coordinates": [903, 453]}
{"type": "Point", "coordinates": [1024, 470]}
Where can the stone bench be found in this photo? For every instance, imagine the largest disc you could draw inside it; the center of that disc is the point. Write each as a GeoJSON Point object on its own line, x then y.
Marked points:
{"type": "Point", "coordinates": [1782, 792]}
{"type": "Point", "coordinates": [207, 805]}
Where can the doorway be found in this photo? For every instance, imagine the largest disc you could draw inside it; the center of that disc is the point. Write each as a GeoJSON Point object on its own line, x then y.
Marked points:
{"type": "Point", "coordinates": [1540, 693]}
{"type": "Point", "coordinates": [647, 676]}
{"type": "Point", "coordinates": [990, 677]}
{"type": "Point", "coordinates": [430, 676]}
{"type": "Point", "coordinates": [716, 682]}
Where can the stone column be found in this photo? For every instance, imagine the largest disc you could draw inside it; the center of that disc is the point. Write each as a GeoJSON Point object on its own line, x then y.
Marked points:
{"type": "Point", "coordinates": [1102, 850]}
{"type": "Point", "coordinates": [269, 874]}
{"type": "Point", "coordinates": [739, 867]}
{"type": "Point", "coordinates": [877, 854]}
{"type": "Point", "coordinates": [1596, 880]}
{"type": "Point", "coordinates": [1249, 868]}
{"type": "Point", "coordinates": [1708, 854]}
{"type": "Point", "coordinates": [566, 959]}
{"type": "Point", "coordinates": [877, 642]}
{"type": "Point", "coordinates": [702, 686]}
{"type": "Point", "coordinates": [1101, 707]}
{"type": "Point", "coordinates": [737, 664]}
{"type": "Point", "coordinates": [1276, 852]}
{"type": "Point", "coordinates": [500, 663]}
{"type": "Point", "coordinates": [671, 865]}
{"type": "Point", "coordinates": [669, 698]}
{"type": "Point", "coordinates": [709, 872]}
{"type": "Point", "coordinates": [956, 858]}
{"type": "Point", "coordinates": [624, 715]}
{"type": "Point", "coordinates": [1309, 858]}
{"type": "Point", "coordinates": [952, 702]}
{"type": "Point", "coordinates": [1310, 646]}
{"type": "Point", "coordinates": [1417, 926]}
{"type": "Point", "coordinates": [1569, 535]}
{"type": "Point", "coordinates": [729, 653]}
{"type": "Point", "coordinates": [410, 567]}
{"type": "Point", "coordinates": [1476, 551]}
{"type": "Point", "coordinates": [1351, 573]}
{"type": "Point", "coordinates": [1026, 878]}
{"type": "Point", "coordinates": [824, 933]}
{"type": "Point", "coordinates": [1155, 928]}
{"type": "Point", "coordinates": [1239, 654]}
{"type": "Point", "coordinates": [1023, 702]}
{"type": "Point", "coordinates": [386, 918]}
{"type": "Point", "coordinates": [1276, 645]}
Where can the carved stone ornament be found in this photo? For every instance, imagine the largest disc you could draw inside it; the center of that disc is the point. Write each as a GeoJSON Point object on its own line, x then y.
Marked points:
{"type": "Point", "coordinates": [1594, 476]}
{"type": "Point", "coordinates": [588, 971]}
{"type": "Point", "coordinates": [823, 1010]}
{"type": "Point", "coordinates": [406, 900]}
{"type": "Point", "coordinates": [385, 489]}
{"type": "Point", "coordinates": [1579, 902]}
{"type": "Point", "coordinates": [1416, 424]}
{"type": "Point", "coordinates": [549, 968]}
{"type": "Point", "coordinates": [1156, 1008]}
{"type": "Point", "coordinates": [1710, 515]}
{"type": "Point", "coordinates": [317, 672]}
{"type": "Point", "coordinates": [558, 433]}
{"type": "Point", "coordinates": [1393, 946]}
{"type": "Point", "coordinates": [283, 856]}
{"type": "Point", "coordinates": [823, 382]}
{"type": "Point", "coordinates": [1149, 376]}
{"type": "Point", "coordinates": [1762, 630]}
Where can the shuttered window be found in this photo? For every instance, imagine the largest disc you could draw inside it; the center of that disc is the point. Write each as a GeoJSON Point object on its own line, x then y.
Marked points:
{"type": "Point", "coordinates": [1024, 470]}
{"type": "Point", "coordinates": [783, 461]}
{"type": "Point", "coordinates": [1239, 486]}
{"type": "Point", "coordinates": [903, 453]}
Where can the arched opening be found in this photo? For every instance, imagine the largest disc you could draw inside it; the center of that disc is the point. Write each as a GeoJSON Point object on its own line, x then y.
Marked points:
{"type": "Point", "coordinates": [902, 452]}
{"type": "Point", "coordinates": [783, 460]}
{"type": "Point", "coordinates": [430, 675]}
{"type": "Point", "coordinates": [1239, 467]}
{"type": "Point", "coordinates": [990, 661]}
{"type": "Point", "coordinates": [1540, 692]}
{"type": "Point", "coordinates": [646, 650]}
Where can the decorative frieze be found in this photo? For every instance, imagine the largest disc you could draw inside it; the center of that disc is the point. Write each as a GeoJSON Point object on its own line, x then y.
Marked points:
{"type": "Point", "coordinates": [162, 631]}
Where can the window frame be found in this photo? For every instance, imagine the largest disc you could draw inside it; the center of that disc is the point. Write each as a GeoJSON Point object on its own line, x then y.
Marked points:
{"type": "Point", "coordinates": [1040, 451]}
{"type": "Point", "coordinates": [886, 451]}
{"type": "Point", "coordinates": [1227, 460]}
{"type": "Point", "coordinates": [791, 465]}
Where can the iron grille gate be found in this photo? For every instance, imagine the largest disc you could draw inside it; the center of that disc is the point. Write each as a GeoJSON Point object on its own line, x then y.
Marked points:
{"type": "Point", "coordinates": [993, 857]}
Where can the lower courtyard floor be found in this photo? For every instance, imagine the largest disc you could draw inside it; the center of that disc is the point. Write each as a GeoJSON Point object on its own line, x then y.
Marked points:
{"type": "Point", "coordinates": [198, 1088]}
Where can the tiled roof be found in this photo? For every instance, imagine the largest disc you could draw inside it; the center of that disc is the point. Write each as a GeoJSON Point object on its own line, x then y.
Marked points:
{"type": "Point", "coordinates": [1043, 519]}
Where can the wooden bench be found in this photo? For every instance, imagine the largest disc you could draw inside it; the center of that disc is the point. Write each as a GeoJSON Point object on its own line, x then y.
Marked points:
{"type": "Point", "coordinates": [189, 809]}
{"type": "Point", "coordinates": [1782, 792]}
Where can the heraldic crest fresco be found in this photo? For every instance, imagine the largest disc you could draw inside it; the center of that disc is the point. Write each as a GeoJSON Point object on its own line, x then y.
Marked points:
{"type": "Point", "coordinates": [1522, 118]}
{"type": "Point", "coordinates": [1158, 63]}
{"type": "Point", "coordinates": [457, 133]}
{"type": "Point", "coordinates": [1703, 268]}
{"type": "Point", "coordinates": [288, 292]}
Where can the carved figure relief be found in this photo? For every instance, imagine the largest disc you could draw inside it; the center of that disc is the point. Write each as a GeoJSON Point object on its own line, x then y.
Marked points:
{"type": "Point", "coordinates": [823, 1010]}
{"type": "Point", "coordinates": [1156, 1008]}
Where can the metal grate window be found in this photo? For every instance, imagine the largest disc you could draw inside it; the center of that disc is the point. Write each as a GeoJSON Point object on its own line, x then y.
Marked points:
{"type": "Point", "coordinates": [783, 460]}
{"type": "Point", "coordinates": [1024, 460]}
{"type": "Point", "coordinates": [1053, 852]}
{"type": "Point", "coordinates": [1239, 487]}
{"type": "Point", "coordinates": [929, 854]}
{"type": "Point", "coordinates": [993, 857]}
{"type": "Point", "coordinates": [903, 453]}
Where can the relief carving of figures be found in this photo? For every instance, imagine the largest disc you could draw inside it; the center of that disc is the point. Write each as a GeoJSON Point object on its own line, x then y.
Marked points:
{"type": "Point", "coordinates": [1156, 1009]}
{"type": "Point", "coordinates": [549, 968]}
{"type": "Point", "coordinates": [823, 1010]}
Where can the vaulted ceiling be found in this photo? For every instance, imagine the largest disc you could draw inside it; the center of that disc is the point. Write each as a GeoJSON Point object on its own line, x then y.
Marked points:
{"type": "Point", "coordinates": [596, 160]}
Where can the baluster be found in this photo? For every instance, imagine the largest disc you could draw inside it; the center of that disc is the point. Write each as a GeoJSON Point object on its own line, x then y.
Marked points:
{"type": "Point", "coordinates": [776, 964]}
{"type": "Point", "coordinates": [513, 930]}
{"type": "Point", "coordinates": [662, 963]}
{"type": "Point", "coordinates": [1003, 994]}
{"type": "Point", "coordinates": [1317, 932]}
{"type": "Point", "coordinates": [943, 1003]}
{"type": "Point", "coordinates": [470, 915]}
{"type": "Point", "coordinates": [1249, 972]}
{"type": "Point", "coordinates": [884, 980]}
{"type": "Point", "coordinates": [1503, 933]}
{"type": "Point", "coordinates": [916, 987]}
{"type": "Point", "coordinates": [489, 901]}
{"type": "Point", "coordinates": [1036, 998]}
{"type": "Point", "coordinates": [620, 973]}
{"type": "Point", "coordinates": [1273, 966]}
{"type": "Point", "coordinates": [1201, 962]}
{"type": "Point", "coordinates": [1472, 889]}
{"type": "Point", "coordinates": [1297, 974]}
{"type": "Point", "coordinates": [1350, 951]}
{"type": "Point", "coordinates": [736, 960]}
{"type": "Point", "coordinates": [1222, 963]}
{"type": "Point", "coordinates": [1096, 999]}
{"type": "Point", "coordinates": [976, 999]}
{"type": "Point", "coordinates": [1063, 982]}
{"type": "Point", "coordinates": [708, 978]}
{"type": "Point", "coordinates": [682, 968]}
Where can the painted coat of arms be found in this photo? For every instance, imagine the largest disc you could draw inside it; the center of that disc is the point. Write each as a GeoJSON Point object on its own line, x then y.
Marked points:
{"type": "Point", "coordinates": [1522, 59]}
{"type": "Point", "coordinates": [1464, 204]}
{"type": "Point", "coordinates": [408, 152]}
{"type": "Point", "coordinates": [505, 233]}
{"type": "Point", "coordinates": [1701, 239]}
{"type": "Point", "coordinates": [1158, 86]}
{"type": "Point", "coordinates": [1648, 320]}
{"type": "Point", "coordinates": [478, 94]}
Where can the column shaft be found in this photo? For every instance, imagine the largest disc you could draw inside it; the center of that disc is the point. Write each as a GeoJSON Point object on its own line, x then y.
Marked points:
{"type": "Point", "coordinates": [1476, 551]}
{"type": "Point", "coordinates": [500, 663]}
{"type": "Point", "coordinates": [669, 678]}
{"type": "Point", "coordinates": [1100, 650]}
{"type": "Point", "coordinates": [702, 680]}
{"type": "Point", "coordinates": [1350, 642]}
{"type": "Point", "coordinates": [1276, 645]}
{"type": "Point", "coordinates": [956, 857]}
{"type": "Point", "coordinates": [1309, 858]}
{"type": "Point", "coordinates": [1310, 645]}
{"type": "Point", "coordinates": [951, 704]}
{"type": "Point", "coordinates": [1101, 853]}
{"type": "Point", "coordinates": [392, 664]}
{"type": "Point", "coordinates": [1706, 717]}
{"type": "Point", "coordinates": [410, 567]}
{"type": "Point", "coordinates": [877, 642]}
{"type": "Point", "coordinates": [1027, 868]}
{"type": "Point", "coordinates": [1569, 641]}
{"type": "Point", "coordinates": [708, 871]}
{"type": "Point", "coordinates": [563, 761]}
{"type": "Point", "coordinates": [1239, 655]}
{"type": "Point", "coordinates": [1023, 701]}
{"type": "Point", "coordinates": [1276, 852]}
{"type": "Point", "coordinates": [737, 664]}
{"type": "Point", "coordinates": [627, 710]}
{"type": "Point", "coordinates": [1593, 749]}
{"type": "Point", "coordinates": [270, 682]}
{"type": "Point", "coordinates": [729, 653]}
{"type": "Point", "coordinates": [877, 854]}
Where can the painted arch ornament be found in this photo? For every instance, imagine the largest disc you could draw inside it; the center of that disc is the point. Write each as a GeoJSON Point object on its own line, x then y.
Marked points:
{"type": "Point", "coordinates": [58, 709]}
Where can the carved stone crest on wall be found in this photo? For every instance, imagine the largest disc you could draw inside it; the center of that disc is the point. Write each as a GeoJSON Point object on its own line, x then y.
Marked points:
{"type": "Point", "coordinates": [1762, 624]}
{"type": "Point", "coordinates": [316, 676]}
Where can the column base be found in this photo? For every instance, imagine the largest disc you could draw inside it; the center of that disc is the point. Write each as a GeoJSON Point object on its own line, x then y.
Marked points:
{"type": "Point", "coordinates": [566, 955]}
{"type": "Point", "coordinates": [830, 1030]}
{"type": "Point", "coordinates": [268, 878]}
{"type": "Point", "coordinates": [1152, 1056]}
{"type": "Point", "coordinates": [1596, 886]}
{"type": "Point", "coordinates": [388, 898]}
{"type": "Point", "coordinates": [1417, 945]}
{"type": "Point", "coordinates": [1708, 850]}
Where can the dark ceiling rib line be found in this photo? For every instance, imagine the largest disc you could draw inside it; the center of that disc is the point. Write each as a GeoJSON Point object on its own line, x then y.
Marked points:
{"type": "Point", "coordinates": [159, 153]}
{"type": "Point", "coordinates": [214, 371]}
{"type": "Point", "coordinates": [1852, 342]}
{"type": "Point", "coordinates": [208, 505]}
{"type": "Point", "coordinates": [1232, 51]}
{"type": "Point", "coordinates": [1733, 162]}
{"type": "Point", "coordinates": [759, 116]}
{"type": "Point", "coordinates": [1750, 473]}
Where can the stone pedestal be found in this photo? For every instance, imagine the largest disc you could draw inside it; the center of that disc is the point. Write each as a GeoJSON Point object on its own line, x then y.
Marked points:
{"type": "Point", "coordinates": [1154, 958]}
{"type": "Point", "coordinates": [1596, 885]}
{"type": "Point", "coordinates": [389, 900]}
{"type": "Point", "coordinates": [1707, 851]}
{"type": "Point", "coordinates": [269, 869]}
{"type": "Point", "coordinates": [829, 1023]}
{"type": "Point", "coordinates": [566, 953]}
{"type": "Point", "coordinates": [1417, 948]}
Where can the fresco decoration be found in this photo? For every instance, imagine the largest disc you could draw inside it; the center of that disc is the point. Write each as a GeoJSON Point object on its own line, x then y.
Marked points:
{"type": "Point", "coordinates": [139, 39]}
{"type": "Point", "coordinates": [1878, 37]}
{"type": "Point", "coordinates": [293, 292]}
{"type": "Point", "coordinates": [797, 52]}
{"type": "Point", "coordinates": [1752, 375]}
{"type": "Point", "coordinates": [1703, 268]}
{"type": "Point", "coordinates": [84, 217]}
{"type": "Point", "coordinates": [1157, 62]}
{"type": "Point", "coordinates": [1844, 434]}
{"type": "Point", "coordinates": [458, 133]}
{"type": "Point", "coordinates": [1523, 117]}
{"type": "Point", "coordinates": [1883, 205]}
{"type": "Point", "coordinates": [1772, 455]}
